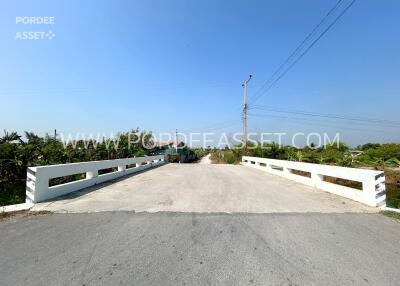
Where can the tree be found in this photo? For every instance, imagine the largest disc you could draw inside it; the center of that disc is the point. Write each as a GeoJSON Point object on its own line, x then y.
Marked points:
{"type": "Point", "coordinates": [369, 146]}
{"type": "Point", "coordinates": [10, 137]}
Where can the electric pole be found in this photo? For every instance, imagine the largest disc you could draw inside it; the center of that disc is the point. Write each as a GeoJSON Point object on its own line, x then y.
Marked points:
{"type": "Point", "coordinates": [176, 140]}
{"type": "Point", "coordinates": [244, 85]}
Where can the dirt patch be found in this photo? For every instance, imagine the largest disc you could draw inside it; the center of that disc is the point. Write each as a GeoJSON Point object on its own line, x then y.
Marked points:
{"type": "Point", "coordinates": [5, 216]}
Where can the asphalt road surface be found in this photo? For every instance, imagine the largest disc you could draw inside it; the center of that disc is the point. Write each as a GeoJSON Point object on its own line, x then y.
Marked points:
{"type": "Point", "coordinates": [125, 248]}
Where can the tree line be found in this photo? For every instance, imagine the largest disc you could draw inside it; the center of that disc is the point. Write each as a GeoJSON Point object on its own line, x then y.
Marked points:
{"type": "Point", "coordinates": [371, 155]}
{"type": "Point", "coordinates": [16, 153]}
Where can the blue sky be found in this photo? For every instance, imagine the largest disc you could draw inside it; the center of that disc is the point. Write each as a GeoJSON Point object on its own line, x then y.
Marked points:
{"type": "Point", "coordinates": [161, 65]}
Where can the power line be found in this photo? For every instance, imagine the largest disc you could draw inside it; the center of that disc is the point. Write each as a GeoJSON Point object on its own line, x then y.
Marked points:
{"type": "Point", "coordinates": [299, 47]}
{"type": "Point", "coordinates": [332, 10]}
{"type": "Point", "coordinates": [267, 87]}
{"type": "Point", "coordinates": [44, 91]}
{"type": "Point", "coordinates": [313, 122]}
{"type": "Point", "coordinates": [329, 120]}
{"type": "Point", "coordinates": [215, 126]}
{"type": "Point", "coordinates": [302, 44]}
{"type": "Point", "coordinates": [327, 115]}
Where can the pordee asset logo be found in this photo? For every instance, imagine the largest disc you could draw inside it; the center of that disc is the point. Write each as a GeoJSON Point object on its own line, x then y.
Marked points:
{"type": "Point", "coordinates": [35, 21]}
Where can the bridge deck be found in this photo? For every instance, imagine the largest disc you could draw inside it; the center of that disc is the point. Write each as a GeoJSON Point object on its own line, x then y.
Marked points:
{"type": "Point", "coordinates": [205, 189]}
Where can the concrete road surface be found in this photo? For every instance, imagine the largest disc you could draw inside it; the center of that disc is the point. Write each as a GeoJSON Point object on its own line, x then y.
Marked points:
{"type": "Point", "coordinates": [206, 159]}
{"type": "Point", "coordinates": [201, 188]}
{"type": "Point", "coordinates": [125, 248]}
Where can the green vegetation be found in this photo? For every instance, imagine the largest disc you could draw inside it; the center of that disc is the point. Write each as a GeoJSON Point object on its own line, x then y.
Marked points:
{"type": "Point", "coordinates": [393, 196]}
{"type": "Point", "coordinates": [227, 156]}
{"type": "Point", "coordinates": [16, 154]}
{"type": "Point", "coordinates": [12, 193]}
{"type": "Point", "coordinates": [38, 213]}
{"type": "Point", "coordinates": [201, 152]}
{"type": "Point", "coordinates": [377, 157]}
{"type": "Point", "coordinates": [395, 215]}
{"type": "Point", "coordinates": [384, 157]}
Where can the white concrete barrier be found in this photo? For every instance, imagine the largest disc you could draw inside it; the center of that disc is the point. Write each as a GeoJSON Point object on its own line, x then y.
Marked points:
{"type": "Point", "coordinates": [37, 183]}
{"type": "Point", "coordinates": [15, 208]}
{"type": "Point", "coordinates": [373, 191]}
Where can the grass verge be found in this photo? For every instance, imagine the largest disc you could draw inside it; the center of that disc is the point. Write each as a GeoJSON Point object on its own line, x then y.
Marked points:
{"type": "Point", "coordinates": [391, 214]}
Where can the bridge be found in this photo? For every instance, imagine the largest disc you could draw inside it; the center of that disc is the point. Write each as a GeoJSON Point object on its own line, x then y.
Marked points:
{"type": "Point", "coordinates": [264, 222]}
{"type": "Point", "coordinates": [214, 188]}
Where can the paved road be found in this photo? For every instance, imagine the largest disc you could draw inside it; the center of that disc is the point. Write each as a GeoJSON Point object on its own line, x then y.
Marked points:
{"type": "Point", "coordinates": [201, 188]}
{"type": "Point", "coordinates": [201, 225]}
{"type": "Point", "coordinates": [125, 248]}
{"type": "Point", "coordinates": [206, 159]}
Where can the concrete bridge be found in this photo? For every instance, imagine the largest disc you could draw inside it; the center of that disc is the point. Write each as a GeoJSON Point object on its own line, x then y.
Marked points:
{"type": "Point", "coordinates": [215, 188]}
{"type": "Point", "coordinates": [259, 223]}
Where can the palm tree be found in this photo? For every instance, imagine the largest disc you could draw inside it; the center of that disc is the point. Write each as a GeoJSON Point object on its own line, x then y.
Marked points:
{"type": "Point", "coordinates": [33, 138]}
{"type": "Point", "coordinates": [10, 137]}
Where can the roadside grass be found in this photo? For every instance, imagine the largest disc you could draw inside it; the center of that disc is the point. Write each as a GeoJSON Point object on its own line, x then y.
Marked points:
{"type": "Point", "coordinates": [393, 195]}
{"type": "Point", "coordinates": [37, 213]}
{"type": "Point", "coordinates": [225, 157]}
{"type": "Point", "coordinates": [4, 216]}
{"type": "Point", "coordinates": [391, 214]}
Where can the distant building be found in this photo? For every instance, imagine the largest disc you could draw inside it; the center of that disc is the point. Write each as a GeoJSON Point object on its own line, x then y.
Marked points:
{"type": "Point", "coordinates": [182, 154]}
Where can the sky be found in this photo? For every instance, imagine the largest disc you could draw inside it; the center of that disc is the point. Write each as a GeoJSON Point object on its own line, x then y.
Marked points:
{"type": "Point", "coordinates": [179, 64]}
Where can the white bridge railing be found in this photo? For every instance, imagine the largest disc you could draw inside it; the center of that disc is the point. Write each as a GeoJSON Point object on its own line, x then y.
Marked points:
{"type": "Point", "coordinates": [37, 183]}
{"type": "Point", "coordinates": [373, 192]}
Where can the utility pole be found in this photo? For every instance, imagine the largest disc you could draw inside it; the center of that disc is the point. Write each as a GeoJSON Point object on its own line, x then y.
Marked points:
{"type": "Point", "coordinates": [55, 134]}
{"type": "Point", "coordinates": [176, 140]}
{"type": "Point", "coordinates": [244, 85]}
{"type": "Point", "coordinates": [176, 145]}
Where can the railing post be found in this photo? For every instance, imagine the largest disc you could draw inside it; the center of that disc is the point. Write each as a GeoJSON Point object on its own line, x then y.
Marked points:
{"type": "Point", "coordinates": [368, 189]}
{"type": "Point", "coordinates": [317, 179]}
{"type": "Point", "coordinates": [40, 186]}
{"type": "Point", "coordinates": [121, 168]}
{"type": "Point", "coordinates": [92, 174]}
{"type": "Point", "coordinates": [374, 190]}
{"type": "Point", "coordinates": [286, 170]}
